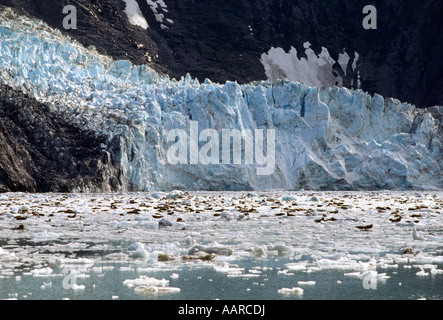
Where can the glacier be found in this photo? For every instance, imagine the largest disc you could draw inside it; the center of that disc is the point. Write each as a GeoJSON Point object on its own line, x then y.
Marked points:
{"type": "Point", "coordinates": [327, 138]}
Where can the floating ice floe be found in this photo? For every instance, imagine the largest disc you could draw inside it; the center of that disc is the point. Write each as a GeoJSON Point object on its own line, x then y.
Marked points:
{"type": "Point", "coordinates": [229, 269]}
{"type": "Point", "coordinates": [306, 283]}
{"type": "Point", "coordinates": [45, 235]}
{"type": "Point", "coordinates": [43, 272]}
{"type": "Point", "coordinates": [259, 251]}
{"type": "Point", "coordinates": [216, 249]}
{"type": "Point", "coordinates": [422, 273]}
{"type": "Point", "coordinates": [140, 253]}
{"type": "Point", "coordinates": [149, 290]}
{"type": "Point", "coordinates": [416, 235]}
{"type": "Point", "coordinates": [145, 281]}
{"type": "Point", "coordinates": [78, 261]}
{"type": "Point", "coordinates": [6, 256]}
{"type": "Point", "coordinates": [281, 249]}
{"type": "Point", "coordinates": [77, 287]}
{"type": "Point", "coordinates": [174, 194]}
{"type": "Point", "coordinates": [435, 271]}
{"type": "Point", "coordinates": [116, 256]}
{"type": "Point", "coordinates": [291, 291]}
{"type": "Point", "coordinates": [296, 266]}
{"type": "Point", "coordinates": [136, 246]}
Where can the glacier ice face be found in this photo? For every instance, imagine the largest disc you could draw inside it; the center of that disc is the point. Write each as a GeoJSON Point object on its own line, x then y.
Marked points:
{"type": "Point", "coordinates": [326, 138]}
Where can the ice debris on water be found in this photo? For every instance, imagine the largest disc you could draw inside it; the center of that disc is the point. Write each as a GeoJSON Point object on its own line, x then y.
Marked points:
{"type": "Point", "coordinates": [99, 245]}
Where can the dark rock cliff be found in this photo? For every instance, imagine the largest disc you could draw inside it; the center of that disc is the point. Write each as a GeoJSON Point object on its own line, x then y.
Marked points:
{"type": "Point", "coordinates": [41, 151]}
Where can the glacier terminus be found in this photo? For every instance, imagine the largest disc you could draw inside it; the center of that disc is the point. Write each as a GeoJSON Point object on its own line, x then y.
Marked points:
{"type": "Point", "coordinates": [326, 138]}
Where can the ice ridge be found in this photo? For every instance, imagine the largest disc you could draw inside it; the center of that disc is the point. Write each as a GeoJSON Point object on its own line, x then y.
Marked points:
{"type": "Point", "coordinates": [325, 138]}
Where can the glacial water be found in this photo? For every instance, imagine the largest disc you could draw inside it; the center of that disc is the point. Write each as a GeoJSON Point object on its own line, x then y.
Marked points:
{"type": "Point", "coordinates": [207, 284]}
{"type": "Point", "coordinates": [228, 245]}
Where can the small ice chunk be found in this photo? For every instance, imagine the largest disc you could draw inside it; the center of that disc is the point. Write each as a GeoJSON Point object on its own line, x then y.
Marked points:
{"type": "Point", "coordinates": [145, 281]}
{"type": "Point", "coordinates": [145, 290]}
{"type": "Point", "coordinates": [174, 194]}
{"type": "Point", "coordinates": [306, 283]}
{"type": "Point", "coordinates": [136, 246]}
{"type": "Point", "coordinates": [5, 256]}
{"type": "Point", "coordinates": [226, 215]}
{"type": "Point", "coordinates": [75, 286]}
{"type": "Point", "coordinates": [165, 223]}
{"type": "Point", "coordinates": [187, 202]}
{"type": "Point", "coordinates": [285, 272]}
{"type": "Point", "coordinates": [43, 272]}
{"type": "Point", "coordinates": [158, 195]}
{"type": "Point", "coordinates": [259, 251]}
{"type": "Point", "coordinates": [68, 261]}
{"type": "Point", "coordinates": [353, 274]}
{"type": "Point", "coordinates": [45, 235]}
{"type": "Point", "coordinates": [435, 271]}
{"type": "Point", "coordinates": [97, 269]}
{"type": "Point", "coordinates": [149, 290]}
{"type": "Point", "coordinates": [389, 266]}
{"type": "Point", "coordinates": [149, 225]}
{"type": "Point", "coordinates": [139, 254]}
{"type": "Point", "coordinates": [126, 224]}
{"type": "Point", "coordinates": [125, 269]}
{"type": "Point", "coordinates": [422, 273]}
{"type": "Point", "coordinates": [296, 266]}
{"type": "Point", "coordinates": [219, 250]}
{"type": "Point", "coordinates": [416, 235]}
{"type": "Point", "coordinates": [108, 268]}
{"type": "Point", "coordinates": [117, 256]}
{"type": "Point", "coordinates": [189, 240]}
{"type": "Point", "coordinates": [291, 291]}
{"type": "Point", "coordinates": [283, 250]}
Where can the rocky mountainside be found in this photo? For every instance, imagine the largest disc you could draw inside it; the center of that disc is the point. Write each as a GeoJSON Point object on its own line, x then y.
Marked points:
{"type": "Point", "coordinates": [225, 39]}
{"type": "Point", "coordinates": [40, 151]}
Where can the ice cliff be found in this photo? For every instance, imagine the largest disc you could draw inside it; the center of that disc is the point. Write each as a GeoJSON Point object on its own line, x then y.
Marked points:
{"type": "Point", "coordinates": [326, 138]}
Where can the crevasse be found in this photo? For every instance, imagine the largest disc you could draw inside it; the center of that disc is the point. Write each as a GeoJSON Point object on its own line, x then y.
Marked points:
{"type": "Point", "coordinates": [326, 138]}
